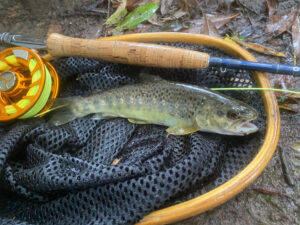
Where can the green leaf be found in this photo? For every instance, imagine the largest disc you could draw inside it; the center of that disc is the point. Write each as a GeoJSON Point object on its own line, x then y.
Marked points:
{"type": "Point", "coordinates": [136, 17]}
{"type": "Point", "coordinates": [118, 15]}
{"type": "Point", "coordinates": [282, 99]}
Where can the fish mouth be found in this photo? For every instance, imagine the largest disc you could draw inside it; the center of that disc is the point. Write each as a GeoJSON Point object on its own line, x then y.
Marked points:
{"type": "Point", "coordinates": [242, 129]}
{"type": "Point", "coordinates": [246, 128]}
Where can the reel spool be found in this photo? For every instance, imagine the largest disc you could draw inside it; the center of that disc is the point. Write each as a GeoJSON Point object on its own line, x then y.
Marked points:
{"type": "Point", "coordinates": [27, 83]}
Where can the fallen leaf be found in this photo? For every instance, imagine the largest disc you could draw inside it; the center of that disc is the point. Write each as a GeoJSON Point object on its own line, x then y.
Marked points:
{"type": "Point", "coordinates": [296, 37]}
{"type": "Point", "coordinates": [209, 28]}
{"type": "Point", "coordinates": [288, 108]}
{"type": "Point", "coordinates": [131, 4]}
{"type": "Point", "coordinates": [178, 14]}
{"type": "Point", "coordinates": [195, 29]}
{"type": "Point", "coordinates": [137, 16]}
{"type": "Point", "coordinates": [218, 21]}
{"type": "Point", "coordinates": [296, 147]}
{"type": "Point", "coordinates": [175, 26]}
{"type": "Point", "coordinates": [115, 3]}
{"type": "Point", "coordinates": [224, 5]}
{"type": "Point", "coordinates": [118, 15]}
{"type": "Point", "coordinates": [227, 38]}
{"type": "Point", "coordinates": [187, 5]}
{"type": "Point", "coordinates": [272, 6]}
{"type": "Point", "coordinates": [184, 5]}
{"type": "Point", "coordinates": [155, 21]}
{"type": "Point", "coordinates": [281, 23]}
{"type": "Point", "coordinates": [287, 99]}
{"type": "Point", "coordinates": [282, 99]}
{"type": "Point", "coordinates": [165, 6]}
{"type": "Point", "coordinates": [175, 16]}
{"type": "Point", "coordinates": [257, 7]}
{"type": "Point", "coordinates": [295, 96]}
{"type": "Point", "coordinates": [258, 48]}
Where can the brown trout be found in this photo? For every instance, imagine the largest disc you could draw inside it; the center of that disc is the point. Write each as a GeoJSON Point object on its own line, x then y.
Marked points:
{"type": "Point", "coordinates": [181, 107]}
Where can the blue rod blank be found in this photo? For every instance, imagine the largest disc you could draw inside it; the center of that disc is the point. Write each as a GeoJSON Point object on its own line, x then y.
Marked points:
{"type": "Point", "coordinates": [246, 65]}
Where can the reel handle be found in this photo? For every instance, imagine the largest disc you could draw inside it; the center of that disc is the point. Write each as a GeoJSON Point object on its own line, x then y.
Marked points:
{"type": "Point", "coordinates": [141, 54]}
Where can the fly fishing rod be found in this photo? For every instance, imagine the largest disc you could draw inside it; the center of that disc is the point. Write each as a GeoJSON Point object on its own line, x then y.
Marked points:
{"type": "Point", "coordinates": [142, 54]}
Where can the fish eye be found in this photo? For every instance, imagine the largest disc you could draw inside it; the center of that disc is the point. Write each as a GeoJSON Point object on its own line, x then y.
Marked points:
{"type": "Point", "coordinates": [233, 114]}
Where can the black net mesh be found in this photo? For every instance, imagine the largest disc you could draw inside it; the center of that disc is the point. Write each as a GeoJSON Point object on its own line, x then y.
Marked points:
{"type": "Point", "coordinates": [67, 174]}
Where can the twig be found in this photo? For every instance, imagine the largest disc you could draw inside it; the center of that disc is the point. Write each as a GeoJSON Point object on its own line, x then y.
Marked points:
{"type": "Point", "coordinates": [108, 9]}
{"type": "Point", "coordinates": [267, 190]}
{"type": "Point", "coordinates": [251, 22]}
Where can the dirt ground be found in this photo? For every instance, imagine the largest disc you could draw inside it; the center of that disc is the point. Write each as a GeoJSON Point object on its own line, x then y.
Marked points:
{"type": "Point", "coordinates": [85, 19]}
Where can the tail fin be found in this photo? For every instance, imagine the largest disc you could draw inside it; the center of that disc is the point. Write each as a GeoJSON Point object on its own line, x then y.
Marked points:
{"type": "Point", "coordinates": [62, 111]}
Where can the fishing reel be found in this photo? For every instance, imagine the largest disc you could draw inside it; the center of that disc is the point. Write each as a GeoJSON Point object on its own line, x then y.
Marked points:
{"type": "Point", "coordinates": [28, 84]}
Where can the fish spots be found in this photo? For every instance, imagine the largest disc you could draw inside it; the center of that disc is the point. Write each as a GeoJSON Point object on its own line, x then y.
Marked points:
{"type": "Point", "coordinates": [85, 106]}
{"type": "Point", "coordinates": [77, 108]}
{"type": "Point", "coordinates": [220, 113]}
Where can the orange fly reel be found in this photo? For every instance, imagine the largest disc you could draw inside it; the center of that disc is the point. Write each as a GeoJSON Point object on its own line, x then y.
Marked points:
{"type": "Point", "coordinates": [28, 84]}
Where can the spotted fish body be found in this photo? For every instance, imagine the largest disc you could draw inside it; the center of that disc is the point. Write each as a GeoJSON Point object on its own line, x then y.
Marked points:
{"type": "Point", "coordinates": [182, 108]}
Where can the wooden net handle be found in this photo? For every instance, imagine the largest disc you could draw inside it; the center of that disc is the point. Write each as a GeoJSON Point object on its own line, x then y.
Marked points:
{"type": "Point", "coordinates": [133, 53]}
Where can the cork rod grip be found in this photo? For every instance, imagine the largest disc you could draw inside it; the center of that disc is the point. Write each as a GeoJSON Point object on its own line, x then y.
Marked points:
{"type": "Point", "coordinates": [133, 53]}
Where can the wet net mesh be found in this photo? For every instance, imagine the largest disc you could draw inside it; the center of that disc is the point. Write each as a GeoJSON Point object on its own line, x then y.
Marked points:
{"type": "Point", "coordinates": [112, 171]}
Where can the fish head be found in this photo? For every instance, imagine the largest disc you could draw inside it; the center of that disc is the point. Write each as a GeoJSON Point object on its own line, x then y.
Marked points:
{"type": "Point", "coordinates": [229, 117]}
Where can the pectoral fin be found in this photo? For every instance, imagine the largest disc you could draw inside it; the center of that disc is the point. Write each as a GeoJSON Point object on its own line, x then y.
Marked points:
{"type": "Point", "coordinates": [182, 129]}
{"type": "Point", "coordinates": [137, 121]}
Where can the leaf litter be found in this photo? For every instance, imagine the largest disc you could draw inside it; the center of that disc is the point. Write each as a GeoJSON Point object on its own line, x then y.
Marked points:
{"type": "Point", "coordinates": [118, 15]}
{"type": "Point", "coordinates": [280, 23]}
{"type": "Point", "coordinates": [165, 7]}
{"type": "Point", "coordinates": [272, 7]}
{"type": "Point", "coordinates": [209, 27]}
{"type": "Point", "coordinates": [217, 21]}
